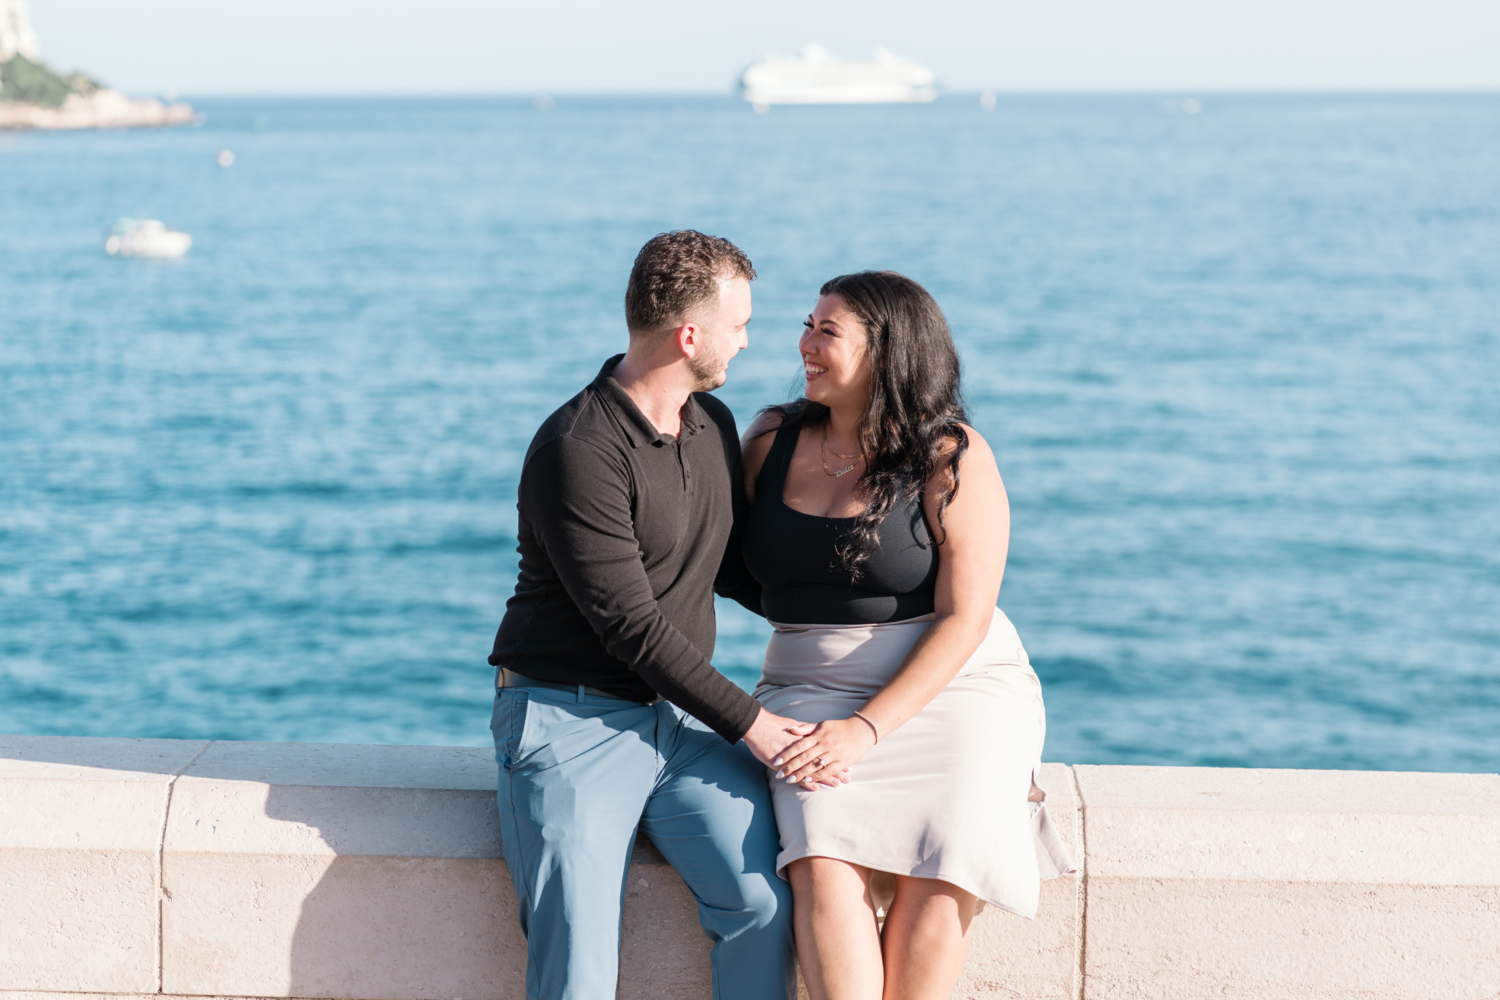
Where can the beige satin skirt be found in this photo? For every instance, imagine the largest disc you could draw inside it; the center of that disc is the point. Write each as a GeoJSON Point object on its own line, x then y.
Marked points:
{"type": "Point", "coordinates": [951, 794]}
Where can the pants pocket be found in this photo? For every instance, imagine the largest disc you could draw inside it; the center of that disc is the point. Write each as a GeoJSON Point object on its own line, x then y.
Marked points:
{"type": "Point", "coordinates": [508, 726]}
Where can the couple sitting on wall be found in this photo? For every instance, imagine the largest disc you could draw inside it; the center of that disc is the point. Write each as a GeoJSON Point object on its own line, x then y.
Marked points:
{"type": "Point", "coordinates": [885, 761]}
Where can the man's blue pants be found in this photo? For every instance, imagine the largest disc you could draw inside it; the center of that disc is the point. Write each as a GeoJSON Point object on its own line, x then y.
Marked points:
{"type": "Point", "coordinates": [579, 775]}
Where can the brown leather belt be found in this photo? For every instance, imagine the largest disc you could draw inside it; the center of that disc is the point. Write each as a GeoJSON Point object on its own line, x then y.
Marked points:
{"type": "Point", "coordinates": [507, 678]}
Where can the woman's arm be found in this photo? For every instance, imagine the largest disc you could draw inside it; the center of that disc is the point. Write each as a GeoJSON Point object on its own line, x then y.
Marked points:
{"type": "Point", "coordinates": [755, 445]}
{"type": "Point", "coordinates": [972, 545]}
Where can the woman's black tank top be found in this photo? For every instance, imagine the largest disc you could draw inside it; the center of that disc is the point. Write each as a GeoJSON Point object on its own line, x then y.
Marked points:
{"type": "Point", "coordinates": [795, 557]}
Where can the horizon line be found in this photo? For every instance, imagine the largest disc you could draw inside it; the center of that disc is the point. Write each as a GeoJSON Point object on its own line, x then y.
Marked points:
{"type": "Point", "coordinates": [527, 95]}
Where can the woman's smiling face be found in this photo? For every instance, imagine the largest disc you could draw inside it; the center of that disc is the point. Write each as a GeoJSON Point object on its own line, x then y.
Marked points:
{"type": "Point", "coordinates": [836, 355]}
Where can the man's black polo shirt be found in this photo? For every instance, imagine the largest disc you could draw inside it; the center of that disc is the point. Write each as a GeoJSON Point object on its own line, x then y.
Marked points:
{"type": "Point", "coordinates": [625, 535]}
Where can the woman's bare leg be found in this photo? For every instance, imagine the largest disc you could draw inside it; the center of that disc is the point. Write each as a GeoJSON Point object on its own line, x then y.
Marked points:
{"type": "Point", "coordinates": [838, 943]}
{"type": "Point", "coordinates": [926, 938]}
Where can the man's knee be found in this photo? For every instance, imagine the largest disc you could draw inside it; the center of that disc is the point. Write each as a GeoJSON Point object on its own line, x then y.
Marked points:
{"type": "Point", "coordinates": [767, 901]}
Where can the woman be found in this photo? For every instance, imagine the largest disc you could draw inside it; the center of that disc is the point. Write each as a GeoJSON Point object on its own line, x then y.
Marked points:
{"type": "Point", "coordinates": [879, 533]}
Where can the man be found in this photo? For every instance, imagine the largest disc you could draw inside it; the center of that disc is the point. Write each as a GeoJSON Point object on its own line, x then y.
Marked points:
{"type": "Point", "coordinates": [608, 717]}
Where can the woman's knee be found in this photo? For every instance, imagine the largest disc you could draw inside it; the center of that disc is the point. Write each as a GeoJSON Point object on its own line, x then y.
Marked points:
{"type": "Point", "coordinates": [935, 898]}
{"type": "Point", "coordinates": [818, 879]}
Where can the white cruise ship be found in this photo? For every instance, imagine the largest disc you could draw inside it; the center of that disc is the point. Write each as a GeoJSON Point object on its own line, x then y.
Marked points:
{"type": "Point", "coordinates": [818, 77]}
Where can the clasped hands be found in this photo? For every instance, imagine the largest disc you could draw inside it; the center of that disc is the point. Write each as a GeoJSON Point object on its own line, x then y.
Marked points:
{"type": "Point", "coordinates": [820, 754]}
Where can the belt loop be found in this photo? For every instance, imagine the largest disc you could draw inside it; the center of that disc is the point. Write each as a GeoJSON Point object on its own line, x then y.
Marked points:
{"type": "Point", "coordinates": [581, 689]}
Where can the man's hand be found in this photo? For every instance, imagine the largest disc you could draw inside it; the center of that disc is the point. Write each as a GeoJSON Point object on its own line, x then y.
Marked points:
{"type": "Point", "coordinates": [770, 734]}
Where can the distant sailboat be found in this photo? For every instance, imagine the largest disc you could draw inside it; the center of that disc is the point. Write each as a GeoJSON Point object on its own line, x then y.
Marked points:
{"type": "Point", "coordinates": [818, 77]}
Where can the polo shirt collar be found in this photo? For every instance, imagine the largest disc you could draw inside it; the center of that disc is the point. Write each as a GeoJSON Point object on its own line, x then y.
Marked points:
{"type": "Point", "coordinates": [638, 430]}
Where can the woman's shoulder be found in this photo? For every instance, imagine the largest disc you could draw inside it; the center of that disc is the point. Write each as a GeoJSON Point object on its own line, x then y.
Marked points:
{"type": "Point", "coordinates": [758, 438]}
{"type": "Point", "coordinates": [977, 460]}
{"type": "Point", "coordinates": [771, 419]}
{"type": "Point", "coordinates": [766, 421]}
{"type": "Point", "coordinates": [976, 448]}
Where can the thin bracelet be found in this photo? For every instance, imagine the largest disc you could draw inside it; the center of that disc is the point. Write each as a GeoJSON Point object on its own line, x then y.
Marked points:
{"type": "Point", "coordinates": [872, 726]}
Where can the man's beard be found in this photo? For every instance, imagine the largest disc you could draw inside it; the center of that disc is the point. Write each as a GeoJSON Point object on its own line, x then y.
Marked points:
{"type": "Point", "coordinates": [708, 372]}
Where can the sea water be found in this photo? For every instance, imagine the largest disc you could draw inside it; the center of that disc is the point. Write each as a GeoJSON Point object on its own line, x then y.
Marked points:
{"type": "Point", "coordinates": [1239, 368]}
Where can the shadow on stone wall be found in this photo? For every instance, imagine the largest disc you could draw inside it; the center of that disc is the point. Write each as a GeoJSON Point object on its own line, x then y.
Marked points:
{"type": "Point", "coordinates": [412, 905]}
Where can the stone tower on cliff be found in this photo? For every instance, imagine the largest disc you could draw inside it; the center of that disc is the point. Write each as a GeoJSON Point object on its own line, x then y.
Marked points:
{"type": "Point", "coordinates": [16, 36]}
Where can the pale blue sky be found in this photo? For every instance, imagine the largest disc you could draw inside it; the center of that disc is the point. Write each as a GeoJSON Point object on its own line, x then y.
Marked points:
{"type": "Point", "coordinates": [562, 46]}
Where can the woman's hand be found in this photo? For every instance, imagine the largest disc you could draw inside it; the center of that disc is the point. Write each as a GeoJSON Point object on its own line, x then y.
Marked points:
{"type": "Point", "coordinates": [833, 776]}
{"type": "Point", "coordinates": [826, 754]}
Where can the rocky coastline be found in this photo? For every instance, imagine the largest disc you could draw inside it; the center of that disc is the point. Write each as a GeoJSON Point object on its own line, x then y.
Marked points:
{"type": "Point", "coordinates": [34, 96]}
{"type": "Point", "coordinates": [104, 108]}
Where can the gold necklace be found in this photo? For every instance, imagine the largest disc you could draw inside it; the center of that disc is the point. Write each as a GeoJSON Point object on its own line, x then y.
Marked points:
{"type": "Point", "coordinates": [846, 469]}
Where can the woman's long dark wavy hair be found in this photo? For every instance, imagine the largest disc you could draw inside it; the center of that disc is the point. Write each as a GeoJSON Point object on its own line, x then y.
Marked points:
{"type": "Point", "coordinates": [915, 405]}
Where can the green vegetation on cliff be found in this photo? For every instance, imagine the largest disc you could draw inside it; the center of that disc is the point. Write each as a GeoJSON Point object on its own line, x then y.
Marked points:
{"type": "Point", "coordinates": [25, 81]}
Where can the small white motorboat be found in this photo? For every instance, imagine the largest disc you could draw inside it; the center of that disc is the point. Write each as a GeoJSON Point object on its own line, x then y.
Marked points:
{"type": "Point", "coordinates": [145, 238]}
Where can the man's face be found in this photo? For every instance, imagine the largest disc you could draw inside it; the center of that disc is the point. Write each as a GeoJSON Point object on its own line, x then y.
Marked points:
{"type": "Point", "coordinates": [723, 333]}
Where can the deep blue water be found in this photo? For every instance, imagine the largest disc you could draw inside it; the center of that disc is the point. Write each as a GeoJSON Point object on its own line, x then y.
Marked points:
{"type": "Point", "coordinates": [1240, 369]}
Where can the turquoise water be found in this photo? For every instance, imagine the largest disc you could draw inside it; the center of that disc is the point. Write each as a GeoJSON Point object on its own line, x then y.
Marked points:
{"type": "Point", "coordinates": [1240, 370]}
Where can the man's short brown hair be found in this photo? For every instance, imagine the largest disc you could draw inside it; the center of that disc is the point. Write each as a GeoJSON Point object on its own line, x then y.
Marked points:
{"type": "Point", "coordinates": [675, 272]}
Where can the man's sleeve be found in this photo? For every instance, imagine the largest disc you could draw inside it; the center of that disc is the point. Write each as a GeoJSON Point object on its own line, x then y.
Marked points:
{"type": "Point", "coordinates": [578, 498]}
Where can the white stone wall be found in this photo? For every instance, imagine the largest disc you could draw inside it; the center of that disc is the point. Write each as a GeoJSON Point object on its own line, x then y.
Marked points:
{"type": "Point", "coordinates": [151, 867]}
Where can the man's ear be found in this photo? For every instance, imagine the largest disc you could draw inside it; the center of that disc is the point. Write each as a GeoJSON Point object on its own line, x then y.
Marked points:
{"type": "Point", "coordinates": [689, 338]}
